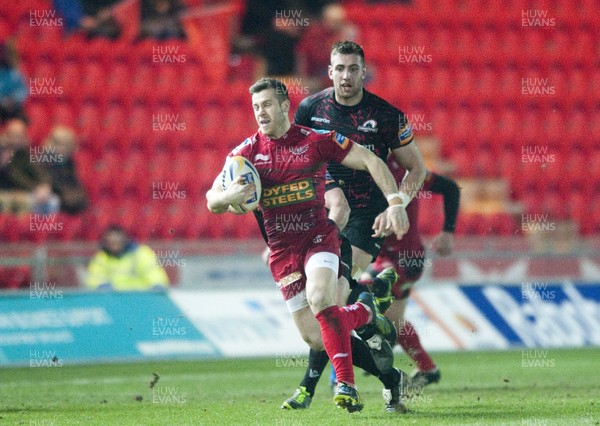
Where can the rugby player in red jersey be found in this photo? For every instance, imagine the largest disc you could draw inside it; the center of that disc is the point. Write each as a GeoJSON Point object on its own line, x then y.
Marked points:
{"type": "Point", "coordinates": [291, 161]}
{"type": "Point", "coordinates": [407, 257]}
{"type": "Point", "coordinates": [370, 121]}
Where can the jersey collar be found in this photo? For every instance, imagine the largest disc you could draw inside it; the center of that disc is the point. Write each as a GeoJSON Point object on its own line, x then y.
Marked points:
{"type": "Point", "coordinates": [285, 135]}
{"type": "Point", "coordinates": [346, 107]}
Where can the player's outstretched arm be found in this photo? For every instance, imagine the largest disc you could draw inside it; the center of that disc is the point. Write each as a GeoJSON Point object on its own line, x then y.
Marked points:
{"type": "Point", "coordinates": [409, 157]}
{"type": "Point", "coordinates": [219, 200]}
{"type": "Point", "coordinates": [394, 219]}
{"type": "Point", "coordinates": [450, 191]}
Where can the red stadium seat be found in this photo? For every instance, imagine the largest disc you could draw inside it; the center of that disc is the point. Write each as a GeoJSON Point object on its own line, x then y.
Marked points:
{"type": "Point", "coordinates": [577, 88]}
{"type": "Point", "coordinates": [65, 115]}
{"type": "Point", "coordinates": [580, 130]}
{"type": "Point", "coordinates": [441, 83]}
{"type": "Point", "coordinates": [142, 84]}
{"type": "Point", "coordinates": [484, 125]}
{"type": "Point", "coordinates": [471, 92]}
{"type": "Point", "coordinates": [69, 75]}
{"type": "Point", "coordinates": [501, 224]}
{"type": "Point", "coordinates": [40, 122]}
{"type": "Point", "coordinates": [510, 85]}
{"type": "Point", "coordinates": [464, 85]}
{"type": "Point", "coordinates": [118, 82]}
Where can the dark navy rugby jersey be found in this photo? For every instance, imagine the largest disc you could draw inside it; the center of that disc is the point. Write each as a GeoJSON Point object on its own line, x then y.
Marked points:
{"type": "Point", "coordinates": [372, 123]}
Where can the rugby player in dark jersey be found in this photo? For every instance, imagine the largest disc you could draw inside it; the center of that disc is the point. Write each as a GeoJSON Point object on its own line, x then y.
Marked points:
{"type": "Point", "coordinates": [407, 257]}
{"type": "Point", "coordinates": [305, 263]}
{"type": "Point", "coordinates": [372, 122]}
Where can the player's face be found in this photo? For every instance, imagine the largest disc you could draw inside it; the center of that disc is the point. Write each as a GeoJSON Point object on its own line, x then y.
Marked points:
{"type": "Point", "coordinates": [271, 116]}
{"type": "Point", "coordinates": [347, 73]}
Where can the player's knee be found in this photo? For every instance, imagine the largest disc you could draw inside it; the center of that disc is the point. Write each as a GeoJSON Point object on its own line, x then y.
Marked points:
{"type": "Point", "coordinates": [318, 300]}
{"type": "Point", "coordinates": [313, 340]}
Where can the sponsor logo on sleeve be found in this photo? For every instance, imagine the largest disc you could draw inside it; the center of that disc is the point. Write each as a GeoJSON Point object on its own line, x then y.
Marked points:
{"type": "Point", "coordinates": [405, 135]}
{"type": "Point", "coordinates": [342, 140]}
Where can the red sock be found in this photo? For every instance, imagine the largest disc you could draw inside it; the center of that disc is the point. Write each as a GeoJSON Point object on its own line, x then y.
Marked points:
{"type": "Point", "coordinates": [336, 324]}
{"type": "Point", "coordinates": [409, 340]}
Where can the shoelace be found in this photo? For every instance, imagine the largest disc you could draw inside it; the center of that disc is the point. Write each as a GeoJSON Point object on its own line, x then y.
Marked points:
{"type": "Point", "coordinates": [302, 395]}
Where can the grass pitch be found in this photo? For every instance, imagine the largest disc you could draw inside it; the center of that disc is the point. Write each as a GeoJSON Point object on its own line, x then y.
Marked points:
{"type": "Point", "coordinates": [529, 387]}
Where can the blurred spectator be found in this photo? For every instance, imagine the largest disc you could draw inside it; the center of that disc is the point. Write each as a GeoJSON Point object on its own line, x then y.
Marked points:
{"type": "Point", "coordinates": [13, 90]}
{"type": "Point", "coordinates": [279, 46]}
{"type": "Point", "coordinates": [98, 20]}
{"type": "Point", "coordinates": [24, 184]}
{"type": "Point", "coordinates": [94, 17]}
{"type": "Point", "coordinates": [271, 29]}
{"type": "Point", "coordinates": [71, 11]}
{"type": "Point", "coordinates": [124, 265]}
{"type": "Point", "coordinates": [315, 46]}
{"type": "Point", "coordinates": [160, 19]}
{"type": "Point", "coordinates": [59, 146]}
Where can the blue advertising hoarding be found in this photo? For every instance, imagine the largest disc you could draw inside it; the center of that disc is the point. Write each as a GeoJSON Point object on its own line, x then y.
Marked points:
{"type": "Point", "coordinates": [538, 314]}
{"type": "Point", "coordinates": [55, 328]}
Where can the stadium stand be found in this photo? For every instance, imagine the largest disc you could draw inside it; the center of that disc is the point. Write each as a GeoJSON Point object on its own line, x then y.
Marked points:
{"type": "Point", "coordinates": [120, 95]}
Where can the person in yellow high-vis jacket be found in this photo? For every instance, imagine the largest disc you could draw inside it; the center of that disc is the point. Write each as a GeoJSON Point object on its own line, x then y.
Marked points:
{"type": "Point", "coordinates": [123, 265]}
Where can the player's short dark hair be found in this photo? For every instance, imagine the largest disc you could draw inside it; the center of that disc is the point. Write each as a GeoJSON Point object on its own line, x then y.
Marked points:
{"type": "Point", "coordinates": [281, 91]}
{"type": "Point", "coordinates": [348, 48]}
{"type": "Point", "coordinates": [114, 227]}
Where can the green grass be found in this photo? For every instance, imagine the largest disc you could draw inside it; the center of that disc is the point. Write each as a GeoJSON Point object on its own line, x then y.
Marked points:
{"type": "Point", "coordinates": [562, 387]}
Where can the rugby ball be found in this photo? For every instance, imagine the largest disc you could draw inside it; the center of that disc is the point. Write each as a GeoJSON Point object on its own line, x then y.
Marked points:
{"type": "Point", "coordinates": [240, 166]}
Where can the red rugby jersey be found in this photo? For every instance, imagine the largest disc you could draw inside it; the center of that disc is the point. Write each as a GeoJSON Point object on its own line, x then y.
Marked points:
{"type": "Point", "coordinates": [292, 170]}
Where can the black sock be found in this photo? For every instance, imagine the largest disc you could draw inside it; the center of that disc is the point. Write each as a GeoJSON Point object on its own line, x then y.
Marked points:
{"type": "Point", "coordinates": [362, 358]}
{"type": "Point", "coordinates": [317, 361]}
{"type": "Point", "coordinates": [356, 289]}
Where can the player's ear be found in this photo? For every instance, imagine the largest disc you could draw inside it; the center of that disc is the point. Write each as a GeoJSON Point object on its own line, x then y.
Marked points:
{"type": "Point", "coordinates": [330, 72]}
{"type": "Point", "coordinates": [285, 106]}
{"type": "Point", "coordinates": [364, 72]}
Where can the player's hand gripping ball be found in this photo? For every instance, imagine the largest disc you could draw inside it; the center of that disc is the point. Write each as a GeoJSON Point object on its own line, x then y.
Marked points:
{"type": "Point", "coordinates": [240, 166]}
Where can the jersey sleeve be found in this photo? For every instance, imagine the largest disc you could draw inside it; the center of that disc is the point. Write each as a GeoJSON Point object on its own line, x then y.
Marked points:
{"type": "Point", "coordinates": [334, 146]}
{"type": "Point", "coordinates": [244, 149]}
{"type": "Point", "coordinates": [405, 133]}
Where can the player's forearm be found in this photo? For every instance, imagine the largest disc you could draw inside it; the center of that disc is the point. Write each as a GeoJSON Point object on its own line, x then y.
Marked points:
{"type": "Point", "coordinates": [410, 159]}
{"type": "Point", "coordinates": [451, 194]}
{"type": "Point", "coordinates": [413, 181]}
{"type": "Point", "coordinates": [339, 210]}
{"type": "Point", "coordinates": [217, 201]}
{"type": "Point", "coordinates": [383, 178]}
